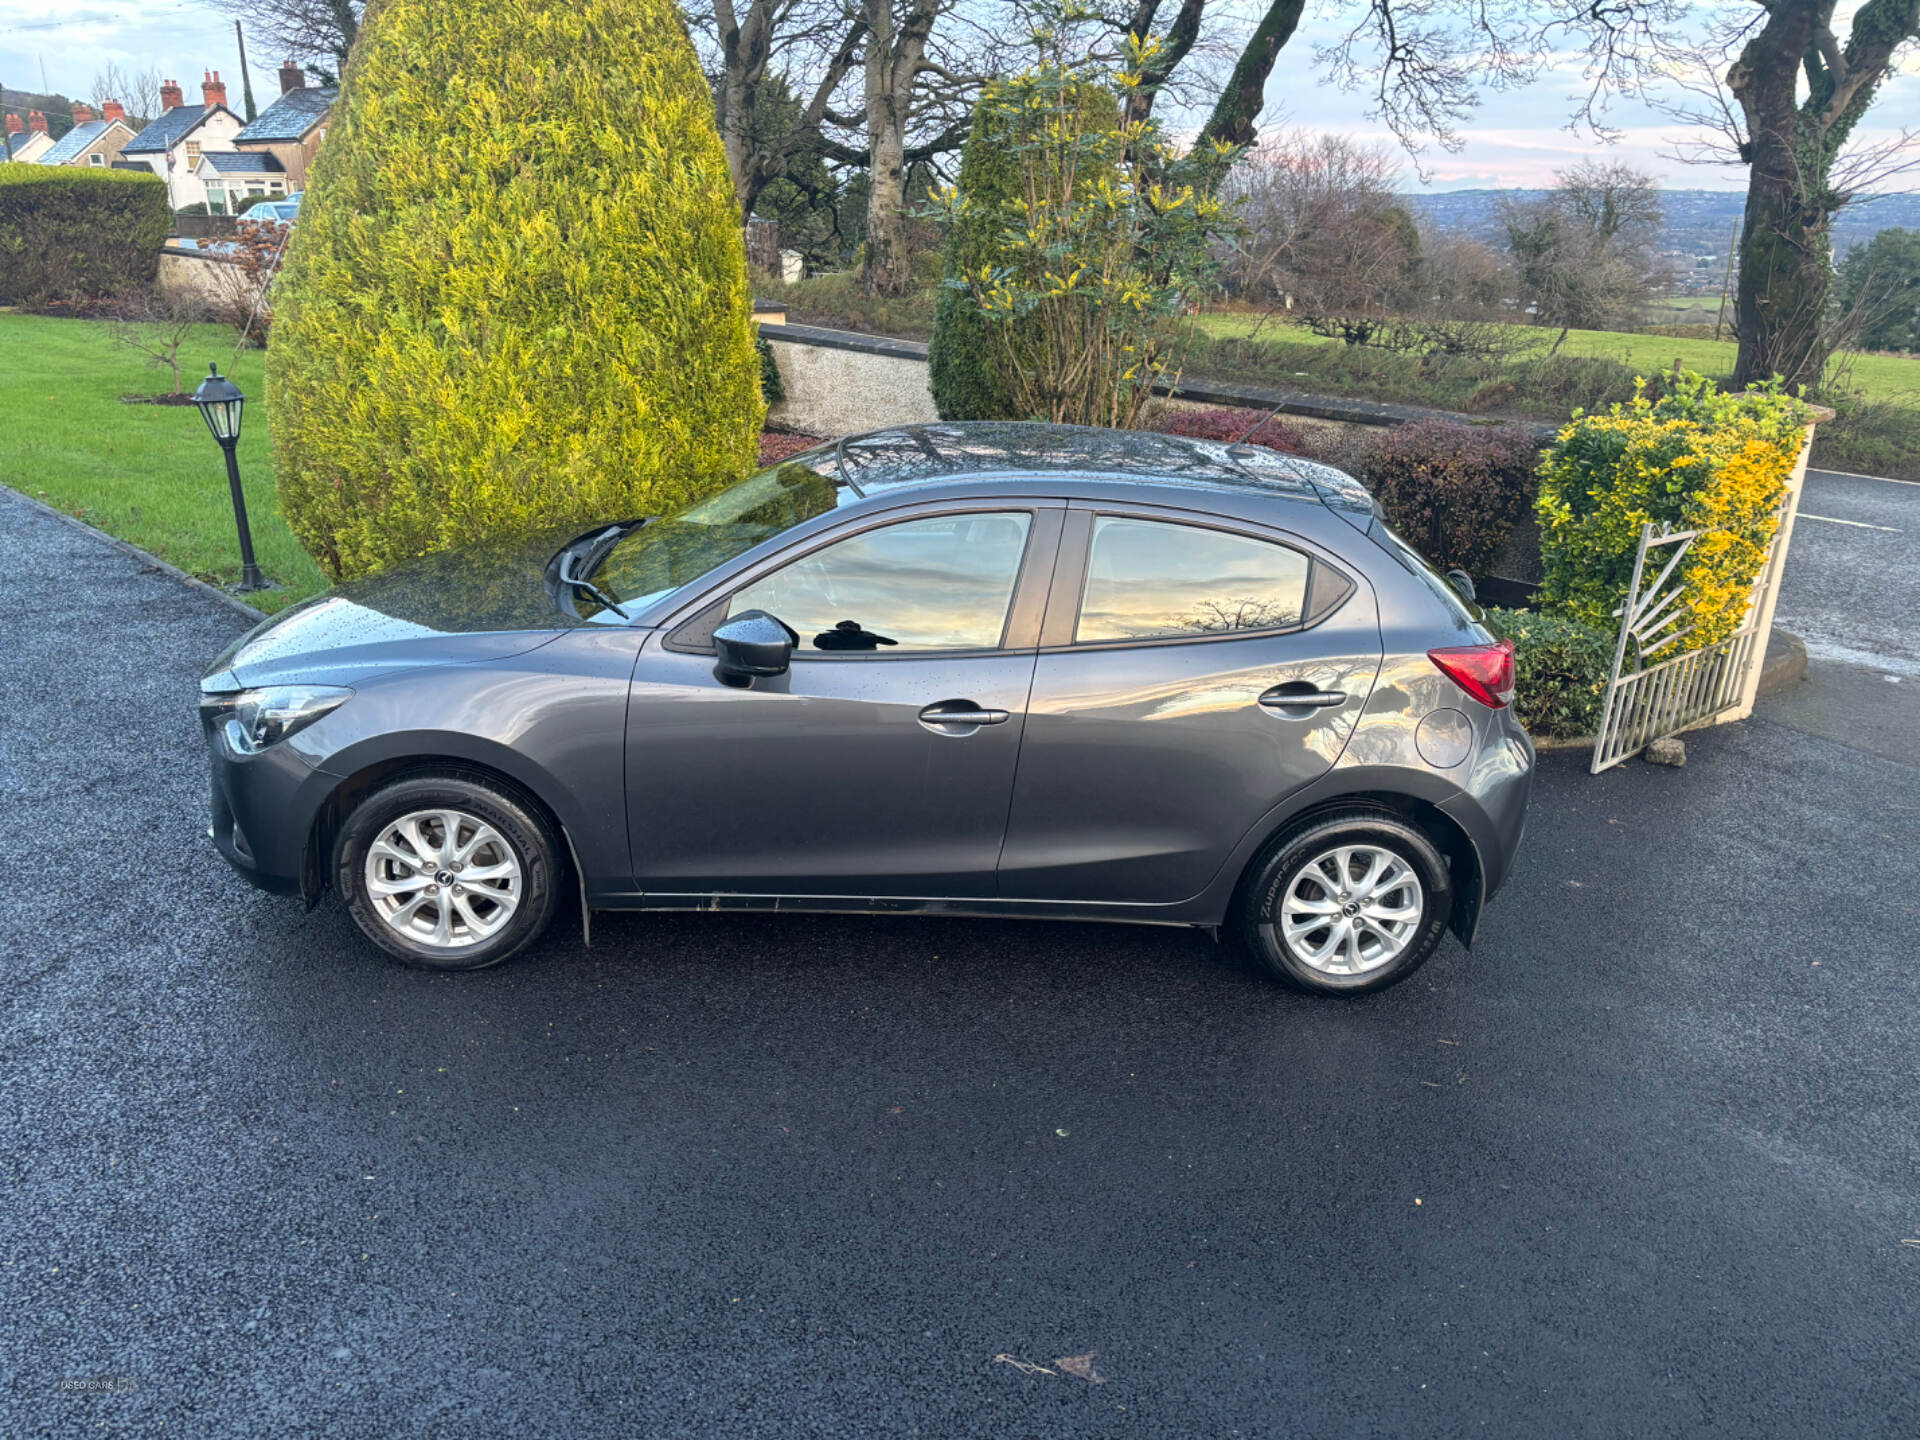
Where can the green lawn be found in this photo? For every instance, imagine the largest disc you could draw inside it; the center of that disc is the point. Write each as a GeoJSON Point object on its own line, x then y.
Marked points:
{"type": "Point", "coordinates": [1893, 378]}
{"type": "Point", "coordinates": [149, 474]}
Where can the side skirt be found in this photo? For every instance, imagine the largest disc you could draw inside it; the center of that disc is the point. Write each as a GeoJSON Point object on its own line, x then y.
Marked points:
{"type": "Point", "coordinates": [1178, 916]}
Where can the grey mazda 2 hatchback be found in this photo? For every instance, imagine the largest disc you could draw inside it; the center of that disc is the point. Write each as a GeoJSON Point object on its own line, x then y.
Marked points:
{"type": "Point", "coordinates": [963, 669]}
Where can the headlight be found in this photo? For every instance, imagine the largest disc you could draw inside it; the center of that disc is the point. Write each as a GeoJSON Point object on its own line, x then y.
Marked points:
{"type": "Point", "coordinates": [255, 719]}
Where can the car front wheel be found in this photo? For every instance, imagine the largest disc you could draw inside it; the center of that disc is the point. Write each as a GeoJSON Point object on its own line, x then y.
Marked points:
{"type": "Point", "coordinates": [447, 872]}
{"type": "Point", "coordinates": [1347, 904]}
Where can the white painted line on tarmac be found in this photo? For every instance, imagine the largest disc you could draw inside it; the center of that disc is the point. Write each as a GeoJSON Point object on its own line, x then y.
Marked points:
{"type": "Point", "coordinates": [1857, 524]}
{"type": "Point", "coordinates": [1856, 475]}
{"type": "Point", "coordinates": [1887, 665]}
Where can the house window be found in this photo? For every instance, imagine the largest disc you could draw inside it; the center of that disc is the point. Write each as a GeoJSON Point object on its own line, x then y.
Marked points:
{"type": "Point", "coordinates": [274, 187]}
{"type": "Point", "coordinates": [254, 187]}
{"type": "Point", "coordinates": [216, 198]}
{"type": "Point", "coordinates": [193, 153]}
{"type": "Point", "coordinates": [96, 159]}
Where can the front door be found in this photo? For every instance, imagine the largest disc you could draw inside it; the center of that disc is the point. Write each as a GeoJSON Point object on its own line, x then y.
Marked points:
{"type": "Point", "coordinates": [1193, 677]}
{"type": "Point", "coordinates": [882, 763]}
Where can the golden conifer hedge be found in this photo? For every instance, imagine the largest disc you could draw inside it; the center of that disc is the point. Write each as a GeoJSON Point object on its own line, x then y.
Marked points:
{"type": "Point", "coordinates": [517, 290]}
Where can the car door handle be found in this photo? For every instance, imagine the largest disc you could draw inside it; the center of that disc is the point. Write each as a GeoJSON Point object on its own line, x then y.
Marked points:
{"type": "Point", "coordinates": [1299, 696]}
{"type": "Point", "coordinates": [951, 715]}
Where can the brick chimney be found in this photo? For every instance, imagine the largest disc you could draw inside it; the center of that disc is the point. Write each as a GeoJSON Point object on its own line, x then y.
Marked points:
{"type": "Point", "coordinates": [292, 78]}
{"type": "Point", "coordinates": [82, 114]}
{"type": "Point", "coordinates": [15, 125]}
{"type": "Point", "coordinates": [113, 110]}
{"type": "Point", "coordinates": [212, 91]}
{"type": "Point", "coordinates": [172, 97]}
{"type": "Point", "coordinates": [37, 121]}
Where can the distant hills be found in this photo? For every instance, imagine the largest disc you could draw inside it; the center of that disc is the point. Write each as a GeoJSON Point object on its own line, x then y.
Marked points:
{"type": "Point", "coordinates": [1699, 222]}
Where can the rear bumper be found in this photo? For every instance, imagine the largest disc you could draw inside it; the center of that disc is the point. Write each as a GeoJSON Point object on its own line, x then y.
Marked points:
{"type": "Point", "coordinates": [1491, 806]}
{"type": "Point", "coordinates": [261, 811]}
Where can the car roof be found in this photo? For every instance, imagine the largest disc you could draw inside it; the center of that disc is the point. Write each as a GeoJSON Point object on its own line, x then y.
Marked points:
{"type": "Point", "coordinates": [955, 452]}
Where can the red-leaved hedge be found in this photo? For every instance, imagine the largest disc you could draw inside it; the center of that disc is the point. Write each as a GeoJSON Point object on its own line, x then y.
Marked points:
{"type": "Point", "coordinates": [1453, 490]}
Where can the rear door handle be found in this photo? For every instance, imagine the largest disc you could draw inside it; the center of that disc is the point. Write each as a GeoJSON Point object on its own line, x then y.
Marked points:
{"type": "Point", "coordinates": [1299, 697]}
{"type": "Point", "coordinates": [949, 715]}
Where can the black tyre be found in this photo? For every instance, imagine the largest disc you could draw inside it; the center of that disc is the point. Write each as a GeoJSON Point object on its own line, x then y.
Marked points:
{"type": "Point", "coordinates": [1347, 903]}
{"type": "Point", "coordinates": [447, 872]}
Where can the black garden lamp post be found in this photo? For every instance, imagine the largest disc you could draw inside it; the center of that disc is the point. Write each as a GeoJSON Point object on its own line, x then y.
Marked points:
{"type": "Point", "coordinates": [220, 401]}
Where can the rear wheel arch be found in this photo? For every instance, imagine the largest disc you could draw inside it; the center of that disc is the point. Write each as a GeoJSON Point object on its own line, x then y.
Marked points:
{"type": "Point", "coordinates": [1447, 835]}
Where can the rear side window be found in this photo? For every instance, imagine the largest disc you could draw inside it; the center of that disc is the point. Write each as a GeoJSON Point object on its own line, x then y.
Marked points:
{"type": "Point", "coordinates": [1153, 579]}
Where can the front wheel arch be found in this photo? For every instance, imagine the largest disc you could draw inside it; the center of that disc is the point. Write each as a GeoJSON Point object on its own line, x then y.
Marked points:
{"type": "Point", "coordinates": [316, 860]}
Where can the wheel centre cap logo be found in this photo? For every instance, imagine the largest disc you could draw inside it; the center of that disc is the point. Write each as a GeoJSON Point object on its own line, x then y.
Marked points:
{"type": "Point", "coordinates": [443, 877]}
{"type": "Point", "coordinates": [1350, 909]}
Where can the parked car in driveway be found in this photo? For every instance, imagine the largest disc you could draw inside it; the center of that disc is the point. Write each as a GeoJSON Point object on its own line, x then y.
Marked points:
{"type": "Point", "coordinates": [965, 669]}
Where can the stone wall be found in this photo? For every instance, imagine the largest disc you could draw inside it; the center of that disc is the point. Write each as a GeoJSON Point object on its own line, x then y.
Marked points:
{"type": "Point", "coordinates": [844, 388]}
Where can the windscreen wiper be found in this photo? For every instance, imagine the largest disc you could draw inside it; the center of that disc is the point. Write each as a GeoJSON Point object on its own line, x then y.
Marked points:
{"type": "Point", "coordinates": [587, 587]}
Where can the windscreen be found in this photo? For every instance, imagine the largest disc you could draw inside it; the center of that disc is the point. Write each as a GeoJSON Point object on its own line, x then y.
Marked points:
{"type": "Point", "coordinates": [679, 548]}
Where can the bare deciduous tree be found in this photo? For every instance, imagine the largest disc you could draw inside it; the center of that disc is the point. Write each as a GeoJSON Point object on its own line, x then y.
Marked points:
{"type": "Point", "coordinates": [302, 29]}
{"type": "Point", "coordinates": [754, 48]}
{"type": "Point", "coordinates": [137, 90]}
{"type": "Point", "coordinates": [1325, 232]}
{"type": "Point", "coordinates": [157, 324]}
{"type": "Point", "coordinates": [1586, 255]}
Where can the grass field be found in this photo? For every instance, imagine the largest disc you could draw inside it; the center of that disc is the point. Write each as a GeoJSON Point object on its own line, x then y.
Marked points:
{"type": "Point", "coordinates": [1891, 378]}
{"type": "Point", "coordinates": [149, 474]}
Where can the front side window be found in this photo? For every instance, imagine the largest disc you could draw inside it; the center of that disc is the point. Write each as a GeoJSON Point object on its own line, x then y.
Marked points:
{"type": "Point", "coordinates": [940, 583]}
{"type": "Point", "coordinates": [1151, 580]}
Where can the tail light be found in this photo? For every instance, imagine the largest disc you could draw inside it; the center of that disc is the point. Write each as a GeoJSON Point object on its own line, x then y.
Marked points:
{"type": "Point", "coordinates": [1484, 671]}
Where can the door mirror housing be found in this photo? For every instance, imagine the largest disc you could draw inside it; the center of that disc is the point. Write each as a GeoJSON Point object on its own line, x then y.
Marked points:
{"type": "Point", "coordinates": [750, 646]}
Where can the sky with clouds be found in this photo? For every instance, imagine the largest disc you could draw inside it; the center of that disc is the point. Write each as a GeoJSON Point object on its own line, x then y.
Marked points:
{"type": "Point", "coordinates": [1514, 138]}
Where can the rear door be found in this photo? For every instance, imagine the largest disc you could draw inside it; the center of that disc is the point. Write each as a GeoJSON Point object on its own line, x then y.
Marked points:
{"type": "Point", "coordinates": [1192, 673]}
{"type": "Point", "coordinates": [882, 763]}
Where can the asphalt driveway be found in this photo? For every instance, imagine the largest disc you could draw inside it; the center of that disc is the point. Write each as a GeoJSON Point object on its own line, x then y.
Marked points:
{"type": "Point", "coordinates": [1647, 1161]}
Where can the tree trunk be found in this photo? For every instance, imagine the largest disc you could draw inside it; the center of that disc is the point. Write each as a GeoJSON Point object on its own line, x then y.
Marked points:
{"type": "Point", "coordinates": [743, 54]}
{"type": "Point", "coordinates": [888, 271]}
{"type": "Point", "coordinates": [1174, 46]}
{"type": "Point", "coordinates": [1784, 277]}
{"type": "Point", "coordinates": [1240, 103]}
{"type": "Point", "coordinates": [894, 53]}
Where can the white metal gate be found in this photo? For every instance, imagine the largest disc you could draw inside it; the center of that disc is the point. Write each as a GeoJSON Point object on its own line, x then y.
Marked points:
{"type": "Point", "coordinates": [1670, 689]}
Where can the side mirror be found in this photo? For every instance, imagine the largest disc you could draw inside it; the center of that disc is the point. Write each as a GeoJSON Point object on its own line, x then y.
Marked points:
{"type": "Point", "coordinates": [751, 645]}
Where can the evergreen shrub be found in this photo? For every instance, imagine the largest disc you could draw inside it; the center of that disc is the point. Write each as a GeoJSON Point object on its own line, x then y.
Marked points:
{"type": "Point", "coordinates": [517, 294]}
{"type": "Point", "coordinates": [72, 234]}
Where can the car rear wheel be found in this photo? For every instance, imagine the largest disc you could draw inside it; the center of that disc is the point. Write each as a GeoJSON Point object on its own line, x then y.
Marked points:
{"type": "Point", "coordinates": [447, 872]}
{"type": "Point", "coordinates": [1347, 904]}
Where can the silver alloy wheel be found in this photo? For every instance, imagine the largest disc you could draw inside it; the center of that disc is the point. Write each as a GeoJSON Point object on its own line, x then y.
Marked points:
{"type": "Point", "coordinates": [443, 878]}
{"type": "Point", "coordinates": [1351, 910]}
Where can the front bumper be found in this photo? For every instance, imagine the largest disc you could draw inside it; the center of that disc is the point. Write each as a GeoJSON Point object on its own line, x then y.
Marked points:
{"type": "Point", "coordinates": [262, 808]}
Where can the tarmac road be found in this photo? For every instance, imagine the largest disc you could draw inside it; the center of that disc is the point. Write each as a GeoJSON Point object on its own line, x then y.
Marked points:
{"type": "Point", "coordinates": [1852, 592]}
{"type": "Point", "coordinates": [1644, 1162]}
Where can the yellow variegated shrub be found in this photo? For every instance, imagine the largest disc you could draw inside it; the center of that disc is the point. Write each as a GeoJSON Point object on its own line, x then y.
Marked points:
{"type": "Point", "coordinates": [517, 291]}
{"type": "Point", "coordinates": [1693, 459]}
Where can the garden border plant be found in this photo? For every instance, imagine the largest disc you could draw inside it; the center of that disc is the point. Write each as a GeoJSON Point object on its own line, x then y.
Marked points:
{"type": "Point", "coordinates": [1691, 458]}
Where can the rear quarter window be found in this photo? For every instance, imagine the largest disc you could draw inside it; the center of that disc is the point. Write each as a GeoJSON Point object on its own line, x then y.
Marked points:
{"type": "Point", "coordinates": [1418, 566]}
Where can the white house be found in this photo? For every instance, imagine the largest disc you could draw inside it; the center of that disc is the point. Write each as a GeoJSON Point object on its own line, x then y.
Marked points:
{"type": "Point", "coordinates": [229, 176]}
{"type": "Point", "coordinates": [28, 141]}
{"type": "Point", "coordinates": [172, 145]}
